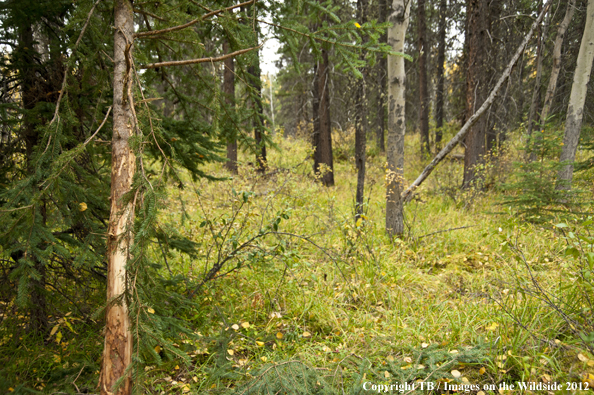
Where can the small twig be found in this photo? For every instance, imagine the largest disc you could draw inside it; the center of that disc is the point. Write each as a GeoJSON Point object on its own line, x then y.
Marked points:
{"type": "Point", "coordinates": [445, 230]}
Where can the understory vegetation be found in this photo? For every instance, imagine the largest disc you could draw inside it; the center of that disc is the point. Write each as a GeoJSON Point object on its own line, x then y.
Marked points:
{"type": "Point", "coordinates": [289, 294]}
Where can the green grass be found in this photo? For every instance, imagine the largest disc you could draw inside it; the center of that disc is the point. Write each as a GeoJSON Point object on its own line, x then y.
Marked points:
{"type": "Point", "coordinates": [348, 302]}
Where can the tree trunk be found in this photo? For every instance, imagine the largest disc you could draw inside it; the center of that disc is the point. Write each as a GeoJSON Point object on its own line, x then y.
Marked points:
{"type": "Point", "coordinates": [361, 123]}
{"type": "Point", "coordinates": [399, 18]}
{"type": "Point", "coordinates": [575, 109]}
{"type": "Point", "coordinates": [323, 162]}
{"type": "Point", "coordinates": [117, 354]}
{"type": "Point", "coordinates": [477, 12]}
{"type": "Point", "coordinates": [256, 85]}
{"type": "Point", "coordinates": [536, 95]}
{"type": "Point", "coordinates": [423, 94]}
{"type": "Point", "coordinates": [381, 83]}
{"type": "Point", "coordinates": [439, 96]}
{"type": "Point", "coordinates": [546, 108]}
{"type": "Point", "coordinates": [229, 91]}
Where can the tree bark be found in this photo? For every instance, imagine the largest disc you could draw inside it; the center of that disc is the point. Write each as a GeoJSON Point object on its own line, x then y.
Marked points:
{"type": "Point", "coordinates": [463, 132]}
{"type": "Point", "coordinates": [423, 91]}
{"type": "Point", "coordinates": [323, 161]}
{"type": "Point", "coordinates": [361, 123]}
{"type": "Point", "coordinates": [477, 12]}
{"type": "Point", "coordinates": [546, 108]}
{"type": "Point", "coordinates": [229, 91]}
{"type": "Point", "coordinates": [117, 354]}
{"type": "Point", "coordinates": [575, 109]}
{"type": "Point", "coordinates": [256, 85]}
{"type": "Point", "coordinates": [439, 96]}
{"type": "Point", "coordinates": [536, 94]}
{"type": "Point", "coordinates": [399, 18]}
{"type": "Point", "coordinates": [381, 83]}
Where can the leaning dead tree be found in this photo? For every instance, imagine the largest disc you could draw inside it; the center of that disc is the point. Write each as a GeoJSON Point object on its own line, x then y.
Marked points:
{"type": "Point", "coordinates": [408, 193]}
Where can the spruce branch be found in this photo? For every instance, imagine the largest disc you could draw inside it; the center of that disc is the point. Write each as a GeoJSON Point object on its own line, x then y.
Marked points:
{"type": "Point", "coordinates": [193, 22]}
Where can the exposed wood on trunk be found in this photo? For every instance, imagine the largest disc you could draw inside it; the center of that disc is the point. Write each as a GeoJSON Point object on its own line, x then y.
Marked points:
{"type": "Point", "coordinates": [408, 193]}
{"type": "Point", "coordinates": [361, 123]}
{"type": "Point", "coordinates": [117, 354]}
{"type": "Point", "coordinates": [229, 91]}
{"type": "Point", "coordinates": [423, 91]}
{"type": "Point", "coordinates": [577, 99]}
{"type": "Point", "coordinates": [439, 96]}
{"type": "Point", "coordinates": [399, 18]}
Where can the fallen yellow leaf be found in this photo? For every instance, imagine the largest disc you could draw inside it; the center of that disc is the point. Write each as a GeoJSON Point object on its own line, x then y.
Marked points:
{"type": "Point", "coordinates": [264, 359]}
{"type": "Point", "coordinates": [482, 371]}
{"type": "Point", "coordinates": [582, 357]}
{"type": "Point", "coordinates": [279, 335]}
{"type": "Point", "coordinates": [424, 345]}
{"type": "Point", "coordinates": [82, 206]}
{"type": "Point", "coordinates": [245, 324]}
{"type": "Point", "coordinates": [259, 343]}
{"type": "Point", "coordinates": [456, 373]}
{"type": "Point", "coordinates": [235, 327]}
{"type": "Point", "coordinates": [230, 352]}
{"type": "Point", "coordinates": [387, 374]}
{"type": "Point", "coordinates": [306, 334]}
{"type": "Point", "coordinates": [150, 310]}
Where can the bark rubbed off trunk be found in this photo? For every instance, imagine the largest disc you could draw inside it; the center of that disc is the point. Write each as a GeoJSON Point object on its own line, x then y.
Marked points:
{"type": "Point", "coordinates": [117, 354]}
{"type": "Point", "coordinates": [575, 109]}
{"type": "Point", "coordinates": [399, 18]}
{"type": "Point", "coordinates": [229, 91]}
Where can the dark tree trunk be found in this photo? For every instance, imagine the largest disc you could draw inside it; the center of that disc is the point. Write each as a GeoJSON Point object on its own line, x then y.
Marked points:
{"type": "Point", "coordinates": [361, 123]}
{"type": "Point", "coordinates": [229, 91]}
{"type": "Point", "coordinates": [423, 91]}
{"type": "Point", "coordinates": [382, 72]}
{"type": "Point", "coordinates": [259, 130]}
{"type": "Point", "coordinates": [322, 134]}
{"type": "Point", "coordinates": [477, 79]}
{"type": "Point", "coordinates": [439, 96]}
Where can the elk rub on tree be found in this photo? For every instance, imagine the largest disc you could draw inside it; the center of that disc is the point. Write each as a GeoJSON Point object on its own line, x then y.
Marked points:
{"type": "Point", "coordinates": [117, 354]}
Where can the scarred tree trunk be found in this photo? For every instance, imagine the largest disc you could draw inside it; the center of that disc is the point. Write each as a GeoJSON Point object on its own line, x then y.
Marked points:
{"type": "Point", "coordinates": [423, 94]}
{"type": "Point", "coordinates": [323, 161]}
{"type": "Point", "coordinates": [399, 18]}
{"type": "Point", "coordinates": [439, 96]}
{"type": "Point", "coordinates": [361, 123]}
{"type": "Point", "coordinates": [229, 91]}
{"type": "Point", "coordinates": [117, 354]}
{"type": "Point", "coordinates": [577, 98]}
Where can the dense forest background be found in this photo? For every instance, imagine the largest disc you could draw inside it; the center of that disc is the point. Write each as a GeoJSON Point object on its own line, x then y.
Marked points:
{"type": "Point", "coordinates": [407, 199]}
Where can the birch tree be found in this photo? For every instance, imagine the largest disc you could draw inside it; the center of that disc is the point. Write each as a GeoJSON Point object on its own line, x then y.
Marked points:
{"type": "Point", "coordinates": [575, 109]}
{"type": "Point", "coordinates": [399, 18]}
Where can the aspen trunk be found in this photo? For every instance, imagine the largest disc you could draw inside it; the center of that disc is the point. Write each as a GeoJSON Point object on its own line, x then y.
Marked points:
{"type": "Point", "coordinates": [117, 354]}
{"type": "Point", "coordinates": [399, 18]}
{"type": "Point", "coordinates": [577, 98]}
{"type": "Point", "coordinates": [381, 84]}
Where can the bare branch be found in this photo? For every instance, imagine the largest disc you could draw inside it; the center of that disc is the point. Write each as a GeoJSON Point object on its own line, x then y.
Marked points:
{"type": "Point", "coordinates": [200, 60]}
{"type": "Point", "coordinates": [407, 195]}
{"type": "Point", "coordinates": [193, 22]}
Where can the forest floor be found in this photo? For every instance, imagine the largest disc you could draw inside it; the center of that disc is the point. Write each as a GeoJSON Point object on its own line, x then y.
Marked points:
{"type": "Point", "coordinates": [473, 297]}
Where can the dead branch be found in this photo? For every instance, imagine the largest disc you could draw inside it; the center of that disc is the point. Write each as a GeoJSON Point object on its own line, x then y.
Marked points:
{"type": "Point", "coordinates": [200, 60]}
{"type": "Point", "coordinates": [407, 194]}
